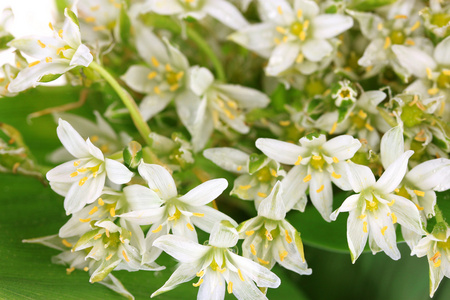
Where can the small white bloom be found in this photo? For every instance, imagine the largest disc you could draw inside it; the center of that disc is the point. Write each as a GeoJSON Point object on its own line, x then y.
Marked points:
{"type": "Point", "coordinates": [344, 92]}
{"type": "Point", "coordinates": [317, 163]}
{"type": "Point", "coordinates": [219, 104]}
{"type": "Point", "coordinates": [55, 55]}
{"type": "Point", "coordinates": [179, 214]}
{"type": "Point", "coordinates": [221, 10]}
{"type": "Point", "coordinates": [375, 209]}
{"type": "Point", "coordinates": [269, 238]}
{"type": "Point", "coordinates": [8, 73]}
{"type": "Point", "coordinates": [175, 150]}
{"type": "Point", "coordinates": [215, 264]}
{"type": "Point", "coordinates": [82, 180]}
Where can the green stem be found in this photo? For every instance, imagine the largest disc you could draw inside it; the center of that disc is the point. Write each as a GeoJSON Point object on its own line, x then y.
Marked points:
{"type": "Point", "coordinates": [132, 107]}
{"type": "Point", "coordinates": [196, 38]}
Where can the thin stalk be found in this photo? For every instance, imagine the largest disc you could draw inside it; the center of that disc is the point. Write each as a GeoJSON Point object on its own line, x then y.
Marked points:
{"type": "Point", "coordinates": [132, 107]}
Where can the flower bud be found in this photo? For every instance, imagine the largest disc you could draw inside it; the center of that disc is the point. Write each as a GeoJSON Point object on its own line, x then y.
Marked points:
{"type": "Point", "coordinates": [132, 155]}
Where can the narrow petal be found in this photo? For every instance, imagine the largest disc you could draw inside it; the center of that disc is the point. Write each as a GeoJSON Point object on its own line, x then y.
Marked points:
{"type": "Point", "coordinates": [382, 231]}
{"type": "Point", "coordinates": [82, 57]}
{"type": "Point", "coordinates": [330, 25]}
{"type": "Point", "coordinates": [349, 204]}
{"type": "Point", "coordinates": [282, 58]}
{"type": "Point", "coordinates": [246, 97]}
{"type": "Point", "coordinates": [145, 216]}
{"type": "Point", "coordinates": [294, 187]}
{"type": "Point", "coordinates": [273, 207]}
{"type": "Point", "coordinates": [151, 105]}
{"type": "Point", "coordinates": [114, 284]}
{"type": "Point", "coordinates": [321, 194]}
{"type": "Point", "coordinates": [394, 174]}
{"type": "Point", "coordinates": [200, 79]}
{"type": "Point", "coordinates": [230, 159]}
{"type": "Point", "coordinates": [136, 78]}
{"type": "Point", "coordinates": [141, 198]}
{"type": "Point", "coordinates": [392, 146]}
{"type": "Point", "coordinates": [282, 152]}
{"type": "Point", "coordinates": [359, 177]}
{"type": "Point", "coordinates": [72, 140]}
{"type": "Point", "coordinates": [315, 50]}
{"type": "Point", "coordinates": [62, 172]}
{"type": "Point", "coordinates": [431, 175]}
{"type": "Point", "coordinates": [442, 52]}
{"type": "Point", "coordinates": [223, 235]}
{"type": "Point", "coordinates": [342, 147]}
{"type": "Point", "coordinates": [356, 235]}
{"type": "Point", "coordinates": [205, 192]}
{"type": "Point", "coordinates": [159, 180]}
{"type": "Point", "coordinates": [167, 7]}
{"type": "Point", "coordinates": [226, 13]}
{"type": "Point", "coordinates": [243, 290]}
{"type": "Point", "coordinates": [117, 172]}
{"type": "Point", "coordinates": [149, 45]}
{"type": "Point", "coordinates": [256, 37]}
{"type": "Point", "coordinates": [407, 214]}
{"type": "Point", "coordinates": [414, 60]}
{"type": "Point", "coordinates": [181, 228]}
{"type": "Point", "coordinates": [78, 195]}
{"type": "Point", "coordinates": [181, 248]}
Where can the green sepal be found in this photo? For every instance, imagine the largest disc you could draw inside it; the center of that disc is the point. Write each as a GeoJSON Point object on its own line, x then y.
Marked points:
{"type": "Point", "coordinates": [85, 238]}
{"type": "Point", "coordinates": [132, 155]}
{"type": "Point", "coordinates": [49, 77]}
{"type": "Point", "coordinates": [72, 16]}
{"type": "Point", "coordinates": [4, 40]}
{"type": "Point", "coordinates": [105, 268]}
{"type": "Point", "coordinates": [255, 162]}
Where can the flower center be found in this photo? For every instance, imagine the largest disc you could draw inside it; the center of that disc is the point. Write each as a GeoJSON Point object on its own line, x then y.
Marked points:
{"type": "Point", "coordinates": [411, 115]}
{"type": "Point", "coordinates": [264, 175]}
{"type": "Point", "coordinates": [403, 192]}
{"type": "Point", "coordinates": [299, 29]}
{"type": "Point", "coordinates": [317, 162]}
{"type": "Point", "coordinates": [440, 19]}
{"type": "Point", "coordinates": [112, 240]}
{"type": "Point", "coordinates": [444, 245]}
{"type": "Point", "coordinates": [398, 37]}
{"type": "Point", "coordinates": [443, 80]}
{"type": "Point", "coordinates": [372, 205]}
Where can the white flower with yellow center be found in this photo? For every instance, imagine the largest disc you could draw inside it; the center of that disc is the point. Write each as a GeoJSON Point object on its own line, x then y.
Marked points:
{"type": "Point", "coordinates": [81, 181]}
{"type": "Point", "coordinates": [438, 255]}
{"type": "Point", "coordinates": [221, 10]}
{"type": "Point", "coordinates": [215, 264]}
{"type": "Point", "coordinates": [178, 214]}
{"type": "Point", "coordinates": [269, 238]}
{"type": "Point", "coordinates": [375, 210]}
{"type": "Point", "coordinates": [257, 174]}
{"type": "Point", "coordinates": [219, 105]}
{"type": "Point", "coordinates": [294, 35]}
{"type": "Point", "coordinates": [317, 163]}
{"type": "Point", "coordinates": [55, 55]}
{"type": "Point", "coordinates": [163, 78]}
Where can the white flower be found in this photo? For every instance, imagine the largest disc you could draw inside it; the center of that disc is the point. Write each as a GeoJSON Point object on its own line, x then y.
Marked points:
{"type": "Point", "coordinates": [8, 73]}
{"type": "Point", "coordinates": [55, 55]}
{"type": "Point", "coordinates": [82, 180]}
{"type": "Point", "coordinates": [215, 264]}
{"type": "Point", "coordinates": [179, 214]}
{"type": "Point", "coordinates": [317, 163]}
{"type": "Point", "coordinates": [175, 150]}
{"type": "Point", "coordinates": [436, 18]}
{"type": "Point", "coordinates": [269, 238]}
{"type": "Point", "coordinates": [344, 92]}
{"type": "Point", "coordinates": [375, 210]}
{"type": "Point", "coordinates": [221, 10]}
{"type": "Point", "coordinates": [219, 103]}
{"type": "Point", "coordinates": [77, 261]}
{"type": "Point", "coordinates": [100, 133]}
{"type": "Point", "coordinates": [292, 35]}
{"type": "Point", "coordinates": [257, 174]}
{"type": "Point", "coordinates": [163, 78]}
{"type": "Point", "coordinates": [438, 257]}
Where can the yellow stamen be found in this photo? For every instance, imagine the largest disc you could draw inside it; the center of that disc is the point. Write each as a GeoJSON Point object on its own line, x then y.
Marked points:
{"type": "Point", "coordinates": [98, 28]}
{"type": "Point", "coordinates": [277, 41]}
{"type": "Point", "coordinates": [89, 19]}
{"type": "Point", "coordinates": [299, 60]}
{"type": "Point", "coordinates": [174, 87]}
{"type": "Point", "coordinates": [437, 264]}
{"type": "Point", "coordinates": [240, 275]}
{"type": "Point", "coordinates": [112, 212]}
{"type": "Point", "coordinates": [157, 229]}
{"type": "Point", "coordinates": [362, 114]}
{"type": "Point", "coordinates": [74, 174]}
{"type": "Point", "coordinates": [285, 39]}
{"type": "Point", "coordinates": [222, 270]}
{"type": "Point", "coordinates": [84, 220]}
{"type": "Point", "coordinates": [320, 189]}
{"type": "Point", "coordinates": [394, 218]}
{"type": "Point", "coordinates": [59, 50]}
{"type": "Point", "coordinates": [419, 207]}
{"type": "Point", "coordinates": [387, 42]}
{"type": "Point", "coordinates": [280, 29]}
{"type": "Point", "coordinates": [268, 235]}
{"type": "Point", "coordinates": [299, 13]}
{"type": "Point", "coordinates": [180, 75]}
{"type": "Point", "coordinates": [107, 232]}
{"type": "Point", "coordinates": [81, 170]}
{"type": "Point", "coordinates": [168, 67]}
{"type": "Point", "coordinates": [93, 210]}
{"type": "Point", "coordinates": [415, 26]}
{"type": "Point", "coordinates": [368, 126]}
{"type": "Point", "coordinates": [230, 284]}
{"type": "Point", "coordinates": [435, 256]}
{"type": "Point", "coordinates": [337, 176]}
{"type": "Point", "coordinates": [34, 63]}
{"type": "Point", "coordinates": [152, 75]}
{"type": "Point", "coordinates": [155, 62]}
{"type": "Point", "coordinates": [410, 42]}
{"type": "Point", "coordinates": [365, 226]}
{"type": "Point", "coordinates": [98, 236]}
{"type": "Point", "coordinates": [109, 257]}
{"type": "Point", "coordinates": [94, 8]}
{"type": "Point", "coordinates": [157, 90]}
{"type": "Point", "coordinates": [362, 216]}
{"type": "Point", "coordinates": [125, 256]}
{"type": "Point", "coordinates": [239, 168]}
{"type": "Point", "coordinates": [86, 269]}
{"type": "Point", "coordinates": [70, 270]}
{"type": "Point", "coordinates": [245, 187]}
{"type": "Point", "coordinates": [280, 11]}
{"type": "Point", "coordinates": [285, 123]}
{"type": "Point", "coordinates": [419, 193]}
{"type": "Point", "coordinates": [48, 59]}
{"type": "Point", "coordinates": [380, 26]}
{"type": "Point", "coordinates": [263, 195]}
{"type": "Point", "coordinates": [252, 249]}
{"type": "Point", "coordinates": [189, 226]}
{"type": "Point", "coordinates": [429, 73]}
{"type": "Point", "coordinates": [383, 230]}
{"type": "Point", "coordinates": [287, 237]}
{"type": "Point", "coordinates": [261, 261]}
{"type": "Point", "coordinates": [200, 274]}
{"type": "Point", "coordinates": [249, 232]}
{"type": "Point", "coordinates": [335, 159]}
{"type": "Point", "coordinates": [306, 24]}
{"type": "Point", "coordinates": [50, 25]}
{"type": "Point", "coordinates": [401, 17]}
{"type": "Point", "coordinates": [446, 72]}
{"type": "Point", "coordinates": [283, 255]}
{"type": "Point", "coordinates": [41, 44]}
{"type": "Point", "coordinates": [100, 202]}
{"type": "Point", "coordinates": [302, 36]}
{"type": "Point", "coordinates": [316, 157]}
{"type": "Point", "coordinates": [391, 203]}
{"type": "Point", "coordinates": [433, 91]}
{"type": "Point", "coordinates": [307, 178]}
{"type": "Point", "coordinates": [66, 243]}
{"type": "Point", "coordinates": [200, 215]}
{"type": "Point", "coordinates": [60, 33]}
{"type": "Point", "coordinates": [82, 181]}
{"type": "Point", "coordinates": [299, 160]}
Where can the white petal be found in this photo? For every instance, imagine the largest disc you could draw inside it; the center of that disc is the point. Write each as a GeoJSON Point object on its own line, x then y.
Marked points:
{"type": "Point", "coordinates": [159, 180]}
{"type": "Point", "coordinates": [394, 174]}
{"type": "Point", "coordinates": [61, 188]}
{"type": "Point", "coordinates": [268, 10]}
{"type": "Point", "coordinates": [330, 25]}
{"type": "Point", "coordinates": [187, 104]}
{"type": "Point", "coordinates": [167, 7]}
{"type": "Point", "coordinates": [407, 214]}
{"type": "Point", "coordinates": [181, 248]}
{"type": "Point", "coordinates": [386, 239]}
{"type": "Point", "coordinates": [141, 198]}
{"type": "Point", "coordinates": [411, 237]}
{"type": "Point", "coordinates": [246, 97]}
{"type": "Point", "coordinates": [71, 30]}
{"type": "Point", "coordinates": [356, 237]}
{"type": "Point", "coordinates": [321, 194]}
{"type": "Point", "coordinates": [213, 286]}
{"type": "Point", "coordinates": [283, 152]}
{"type": "Point", "coordinates": [114, 284]}
{"type": "Point", "coordinates": [202, 127]}
{"type": "Point", "coordinates": [257, 37]}
{"type": "Point", "coordinates": [210, 217]}
{"type": "Point", "coordinates": [62, 173]}
{"type": "Point", "coordinates": [117, 172]}
{"type": "Point", "coordinates": [342, 147]}
{"type": "Point", "coordinates": [226, 13]}
{"type": "Point", "coordinates": [309, 8]}
{"type": "Point", "coordinates": [72, 140]}
{"type": "Point", "coordinates": [153, 104]}
{"type": "Point", "coordinates": [359, 177]}
{"type": "Point", "coordinates": [136, 78]}
{"type": "Point", "coordinates": [259, 274]}
{"type": "Point", "coordinates": [145, 216]}
{"type": "Point", "coordinates": [149, 45]}
{"type": "Point", "coordinates": [414, 60]}
{"type": "Point", "coordinates": [243, 290]}
{"type": "Point", "coordinates": [82, 57]}
{"type": "Point", "coordinates": [342, 182]}
{"type": "Point", "coordinates": [315, 50]}
{"type": "Point", "coordinates": [392, 146]}
{"type": "Point", "coordinates": [442, 52]}
{"type": "Point", "coordinates": [78, 195]}
{"type": "Point", "coordinates": [205, 192]}
{"type": "Point", "coordinates": [180, 228]}
{"type": "Point", "coordinates": [294, 187]}
{"type": "Point", "coordinates": [94, 151]}
{"type": "Point", "coordinates": [282, 58]}
{"type": "Point", "coordinates": [349, 204]}
{"type": "Point", "coordinates": [223, 235]}
{"type": "Point", "coordinates": [431, 175]}
{"type": "Point", "coordinates": [273, 207]}
{"type": "Point", "coordinates": [200, 79]}
{"type": "Point", "coordinates": [294, 260]}
{"type": "Point", "coordinates": [230, 159]}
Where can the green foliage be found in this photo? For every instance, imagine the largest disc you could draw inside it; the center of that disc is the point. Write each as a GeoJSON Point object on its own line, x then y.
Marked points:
{"type": "Point", "coordinates": [365, 5]}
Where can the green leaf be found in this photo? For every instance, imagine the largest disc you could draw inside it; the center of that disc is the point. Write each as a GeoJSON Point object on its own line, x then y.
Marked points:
{"type": "Point", "coordinates": [4, 40]}
{"type": "Point", "coordinates": [366, 5]}
{"type": "Point", "coordinates": [72, 16]}
{"type": "Point", "coordinates": [49, 77]}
